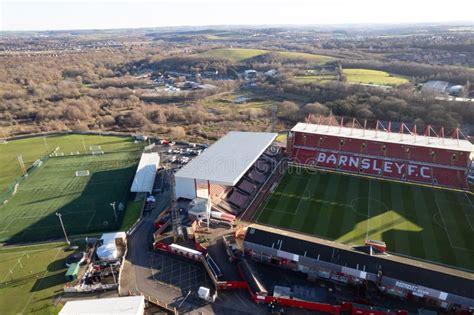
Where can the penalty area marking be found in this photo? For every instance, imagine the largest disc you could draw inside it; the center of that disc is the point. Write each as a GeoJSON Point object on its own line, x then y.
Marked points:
{"type": "Point", "coordinates": [447, 231]}
{"type": "Point", "coordinates": [469, 217]}
{"type": "Point", "coordinates": [40, 281]}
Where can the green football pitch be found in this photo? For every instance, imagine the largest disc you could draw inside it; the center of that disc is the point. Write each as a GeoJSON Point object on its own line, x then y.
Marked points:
{"type": "Point", "coordinates": [431, 224]}
{"type": "Point", "coordinates": [83, 201]}
{"type": "Point", "coordinates": [31, 278]}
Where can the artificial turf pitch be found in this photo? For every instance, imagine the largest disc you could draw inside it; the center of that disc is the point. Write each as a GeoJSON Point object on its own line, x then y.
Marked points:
{"type": "Point", "coordinates": [84, 202]}
{"type": "Point", "coordinates": [31, 278]}
{"type": "Point", "coordinates": [431, 224]}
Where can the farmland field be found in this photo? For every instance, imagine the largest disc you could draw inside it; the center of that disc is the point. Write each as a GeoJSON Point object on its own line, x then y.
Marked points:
{"type": "Point", "coordinates": [83, 201]}
{"type": "Point", "coordinates": [31, 277]}
{"type": "Point", "coordinates": [366, 76]}
{"type": "Point", "coordinates": [421, 222]}
{"type": "Point", "coordinates": [241, 54]}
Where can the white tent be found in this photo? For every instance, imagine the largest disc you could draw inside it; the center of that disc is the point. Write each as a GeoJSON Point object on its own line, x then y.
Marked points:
{"type": "Point", "coordinates": [108, 250]}
{"type": "Point", "coordinates": [130, 305]}
{"type": "Point", "coordinates": [146, 173]}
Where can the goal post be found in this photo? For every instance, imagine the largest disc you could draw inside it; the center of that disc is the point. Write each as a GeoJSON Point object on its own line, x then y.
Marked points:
{"type": "Point", "coordinates": [95, 148]}
{"type": "Point", "coordinates": [82, 173]}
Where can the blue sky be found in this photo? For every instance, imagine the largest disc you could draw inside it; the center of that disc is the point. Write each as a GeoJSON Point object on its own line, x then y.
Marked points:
{"type": "Point", "coordinates": [85, 14]}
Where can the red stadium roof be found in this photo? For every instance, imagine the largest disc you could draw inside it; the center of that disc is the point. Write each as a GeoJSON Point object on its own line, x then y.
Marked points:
{"type": "Point", "coordinates": [385, 136]}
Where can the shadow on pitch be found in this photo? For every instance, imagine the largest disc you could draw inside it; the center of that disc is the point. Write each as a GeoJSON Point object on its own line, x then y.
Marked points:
{"type": "Point", "coordinates": [90, 212]}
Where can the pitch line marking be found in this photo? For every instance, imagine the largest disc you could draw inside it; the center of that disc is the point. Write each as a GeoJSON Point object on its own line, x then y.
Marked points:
{"type": "Point", "coordinates": [44, 275]}
{"type": "Point", "coordinates": [447, 231]}
{"type": "Point", "coordinates": [280, 211]}
{"type": "Point", "coordinates": [303, 197]}
{"type": "Point", "coordinates": [468, 216]}
{"type": "Point", "coordinates": [40, 216]}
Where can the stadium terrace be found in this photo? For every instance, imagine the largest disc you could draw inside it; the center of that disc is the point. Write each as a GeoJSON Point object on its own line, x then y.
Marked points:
{"type": "Point", "coordinates": [427, 159]}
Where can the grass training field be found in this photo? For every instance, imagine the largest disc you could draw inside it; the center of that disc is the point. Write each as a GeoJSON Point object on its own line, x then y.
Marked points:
{"type": "Point", "coordinates": [34, 148]}
{"type": "Point", "coordinates": [83, 201]}
{"type": "Point", "coordinates": [421, 222]}
{"type": "Point", "coordinates": [241, 54]}
{"type": "Point", "coordinates": [36, 278]}
{"type": "Point", "coordinates": [366, 76]}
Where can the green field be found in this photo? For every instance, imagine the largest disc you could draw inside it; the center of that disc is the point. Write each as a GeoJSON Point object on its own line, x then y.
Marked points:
{"type": "Point", "coordinates": [421, 222]}
{"type": "Point", "coordinates": [233, 54]}
{"type": "Point", "coordinates": [366, 76]}
{"type": "Point", "coordinates": [84, 202]}
{"type": "Point", "coordinates": [320, 78]}
{"type": "Point", "coordinates": [36, 278]}
{"type": "Point", "coordinates": [241, 54]}
{"type": "Point", "coordinates": [34, 148]}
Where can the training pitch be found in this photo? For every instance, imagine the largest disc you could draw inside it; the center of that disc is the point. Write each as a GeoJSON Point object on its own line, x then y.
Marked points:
{"type": "Point", "coordinates": [432, 224]}
{"type": "Point", "coordinates": [83, 201]}
{"type": "Point", "coordinates": [31, 278]}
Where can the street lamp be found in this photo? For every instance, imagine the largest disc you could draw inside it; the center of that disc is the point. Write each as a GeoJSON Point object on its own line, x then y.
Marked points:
{"type": "Point", "coordinates": [59, 215]}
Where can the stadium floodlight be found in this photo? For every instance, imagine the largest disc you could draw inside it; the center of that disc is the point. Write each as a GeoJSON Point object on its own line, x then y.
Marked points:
{"type": "Point", "coordinates": [112, 204]}
{"type": "Point", "coordinates": [59, 215]}
{"type": "Point", "coordinates": [84, 145]}
{"type": "Point", "coordinates": [46, 144]}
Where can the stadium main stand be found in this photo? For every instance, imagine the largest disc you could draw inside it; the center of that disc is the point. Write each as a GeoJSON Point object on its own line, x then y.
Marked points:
{"type": "Point", "coordinates": [230, 172]}
{"type": "Point", "coordinates": [426, 159]}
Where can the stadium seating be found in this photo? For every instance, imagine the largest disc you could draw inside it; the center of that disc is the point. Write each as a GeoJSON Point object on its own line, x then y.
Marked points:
{"type": "Point", "coordinates": [218, 190]}
{"type": "Point", "coordinates": [352, 145]}
{"type": "Point", "coordinates": [247, 187]}
{"type": "Point", "coordinates": [373, 148]}
{"type": "Point", "coordinates": [450, 178]}
{"type": "Point", "coordinates": [304, 156]}
{"type": "Point", "coordinates": [272, 152]}
{"type": "Point", "coordinates": [225, 206]}
{"type": "Point", "coordinates": [390, 160]}
{"type": "Point", "coordinates": [330, 143]}
{"type": "Point", "coordinates": [395, 151]}
{"type": "Point", "coordinates": [238, 199]}
{"type": "Point", "coordinates": [256, 176]}
{"type": "Point", "coordinates": [262, 166]}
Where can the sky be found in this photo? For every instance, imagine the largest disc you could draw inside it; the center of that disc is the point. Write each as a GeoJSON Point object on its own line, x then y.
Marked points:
{"type": "Point", "coordinates": [102, 14]}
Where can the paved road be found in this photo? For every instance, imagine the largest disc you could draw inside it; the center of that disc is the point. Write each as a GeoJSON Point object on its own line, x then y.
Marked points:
{"type": "Point", "coordinates": [141, 274]}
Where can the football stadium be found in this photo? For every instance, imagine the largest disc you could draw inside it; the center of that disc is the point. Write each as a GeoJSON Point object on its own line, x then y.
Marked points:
{"type": "Point", "coordinates": [350, 184]}
{"type": "Point", "coordinates": [413, 220]}
{"type": "Point", "coordinates": [74, 175]}
{"type": "Point", "coordinates": [352, 204]}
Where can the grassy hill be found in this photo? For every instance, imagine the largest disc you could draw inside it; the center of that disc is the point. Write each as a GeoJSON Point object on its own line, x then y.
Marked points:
{"type": "Point", "coordinates": [316, 59]}
{"type": "Point", "coordinates": [241, 54]}
{"type": "Point", "coordinates": [366, 76]}
{"type": "Point", "coordinates": [233, 54]}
